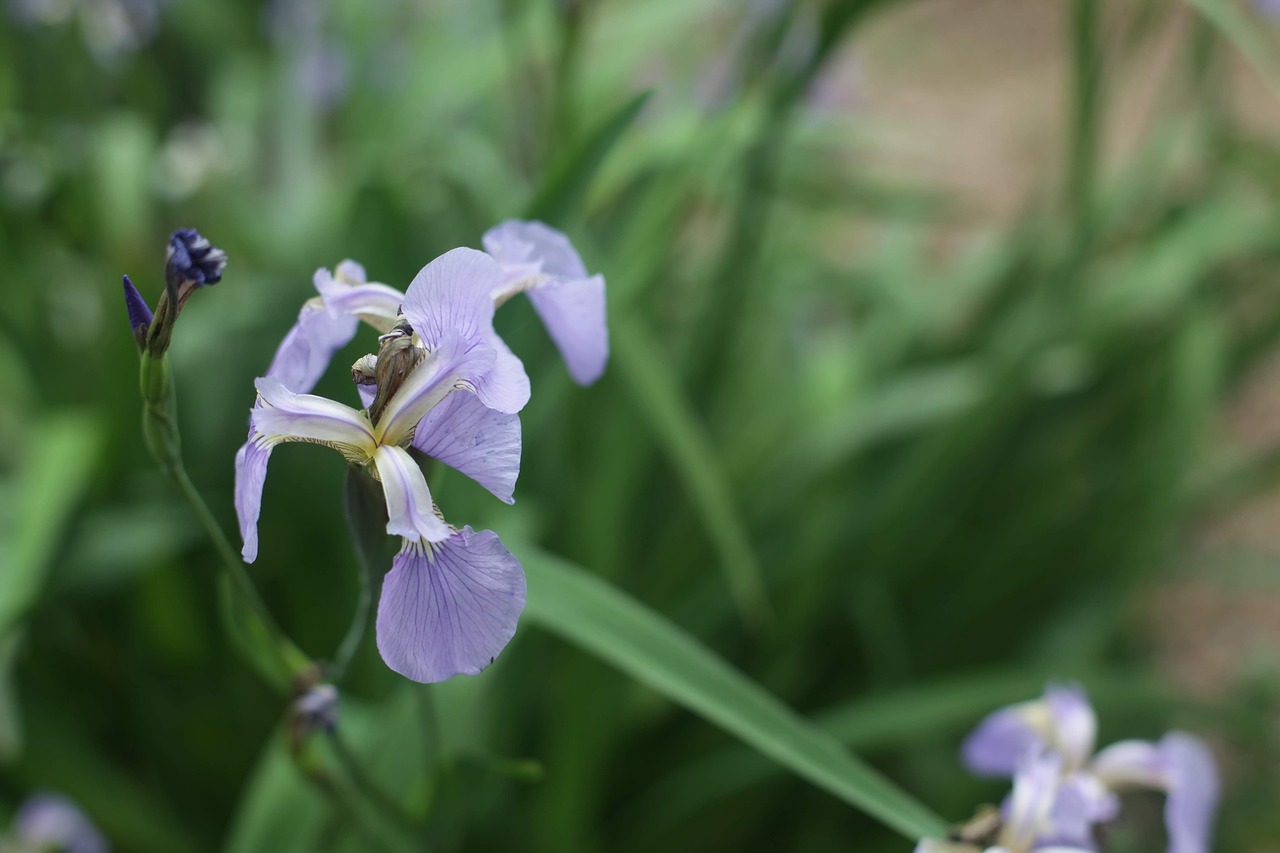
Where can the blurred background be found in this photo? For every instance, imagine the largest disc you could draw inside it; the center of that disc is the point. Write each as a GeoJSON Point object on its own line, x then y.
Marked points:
{"type": "Point", "coordinates": [943, 366]}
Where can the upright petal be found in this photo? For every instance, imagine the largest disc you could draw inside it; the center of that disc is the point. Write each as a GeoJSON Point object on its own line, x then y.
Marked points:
{"type": "Point", "coordinates": [287, 415]}
{"type": "Point", "coordinates": [429, 383]}
{"type": "Point", "coordinates": [251, 475]}
{"type": "Point", "coordinates": [468, 436]}
{"type": "Point", "coordinates": [410, 511]}
{"type": "Point", "coordinates": [346, 292]}
{"type": "Point", "coordinates": [449, 609]}
{"type": "Point", "coordinates": [1072, 725]}
{"type": "Point", "coordinates": [1192, 793]}
{"type": "Point", "coordinates": [1030, 805]}
{"type": "Point", "coordinates": [522, 241]}
{"type": "Point", "coordinates": [453, 293]}
{"type": "Point", "coordinates": [304, 354]}
{"type": "Point", "coordinates": [1000, 741]}
{"type": "Point", "coordinates": [573, 310]}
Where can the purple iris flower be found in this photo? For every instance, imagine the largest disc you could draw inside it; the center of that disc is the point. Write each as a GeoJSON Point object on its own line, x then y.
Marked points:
{"type": "Point", "coordinates": [451, 601]}
{"type": "Point", "coordinates": [1063, 723]}
{"type": "Point", "coordinates": [52, 822]}
{"type": "Point", "coordinates": [1270, 8]}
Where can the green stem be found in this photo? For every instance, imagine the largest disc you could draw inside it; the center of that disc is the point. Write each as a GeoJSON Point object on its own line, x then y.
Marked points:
{"type": "Point", "coordinates": [289, 655]}
{"type": "Point", "coordinates": [359, 624]}
{"type": "Point", "coordinates": [351, 764]}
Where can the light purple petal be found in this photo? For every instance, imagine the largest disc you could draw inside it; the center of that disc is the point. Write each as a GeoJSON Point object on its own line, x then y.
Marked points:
{"type": "Point", "coordinates": [1130, 764]}
{"type": "Point", "coordinates": [49, 821]}
{"type": "Point", "coordinates": [505, 386]}
{"type": "Point", "coordinates": [1082, 802]}
{"type": "Point", "coordinates": [429, 383]}
{"type": "Point", "coordinates": [305, 353]}
{"type": "Point", "coordinates": [367, 394]}
{"type": "Point", "coordinates": [1072, 725]}
{"type": "Point", "coordinates": [251, 474]}
{"type": "Point", "coordinates": [410, 512]}
{"type": "Point", "coordinates": [517, 242]}
{"type": "Point", "coordinates": [468, 436]}
{"type": "Point", "coordinates": [449, 609]}
{"type": "Point", "coordinates": [573, 310]}
{"type": "Point", "coordinates": [452, 293]}
{"type": "Point", "coordinates": [1028, 808]}
{"type": "Point", "coordinates": [1193, 789]}
{"type": "Point", "coordinates": [999, 742]}
{"type": "Point", "coordinates": [287, 415]}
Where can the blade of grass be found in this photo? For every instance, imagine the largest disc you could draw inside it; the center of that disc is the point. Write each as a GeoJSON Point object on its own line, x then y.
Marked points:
{"type": "Point", "coordinates": [580, 608]}
{"type": "Point", "coordinates": [1236, 28]}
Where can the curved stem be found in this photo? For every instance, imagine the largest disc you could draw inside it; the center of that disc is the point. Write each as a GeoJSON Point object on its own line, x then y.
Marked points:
{"type": "Point", "coordinates": [359, 624]}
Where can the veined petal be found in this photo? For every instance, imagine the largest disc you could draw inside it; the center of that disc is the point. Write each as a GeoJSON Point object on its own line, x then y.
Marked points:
{"type": "Point", "coordinates": [287, 415]}
{"type": "Point", "coordinates": [410, 512]}
{"type": "Point", "coordinates": [573, 310]}
{"type": "Point", "coordinates": [505, 386]}
{"type": "Point", "coordinates": [429, 383]}
{"type": "Point", "coordinates": [449, 609]}
{"type": "Point", "coordinates": [452, 293]}
{"type": "Point", "coordinates": [251, 475]}
{"type": "Point", "coordinates": [472, 438]}
{"type": "Point", "coordinates": [523, 241]}
{"type": "Point", "coordinates": [304, 354]}
{"type": "Point", "coordinates": [376, 304]}
{"type": "Point", "coordinates": [1192, 793]}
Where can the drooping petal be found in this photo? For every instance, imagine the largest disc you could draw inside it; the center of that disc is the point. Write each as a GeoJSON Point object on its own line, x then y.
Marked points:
{"type": "Point", "coordinates": [410, 512]}
{"type": "Point", "coordinates": [1130, 764]}
{"type": "Point", "coordinates": [521, 242]}
{"type": "Point", "coordinates": [251, 475]}
{"type": "Point", "coordinates": [287, 415]}
{"type": "Point", "coordinates": [1193, 790]}
{"type": "Point", "coordinates": [999, 742]}
{"type": "Point", "coordinates": [304, 354]}
{"type": "Point", "coordinates": [472, 438]}
{"type": "Point", "coordinates": [449, 609]}
{"type": "Point", "coordinates": [573, 310]}
{"type": "Point", "coordinates": [430, 382]}
{"type": "Point", "coordinates": [52, 822]}
{"type": "Point", "coordinates": [452, 293]}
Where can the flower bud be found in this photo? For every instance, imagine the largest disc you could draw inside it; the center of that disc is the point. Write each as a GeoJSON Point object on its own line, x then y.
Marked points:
{"type": "Point", "coordinates": [191, 262]}
{"type": "Point", "coordinates": [315, 710]}
{"type": "Point", "coordinates": [139, 313]}
{"type": "Point", "coordinates": [396, 359]}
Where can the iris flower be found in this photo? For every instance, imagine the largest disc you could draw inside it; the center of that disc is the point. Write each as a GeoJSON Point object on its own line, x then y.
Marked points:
{"type": "Point", "coordinates": [52, 822]}
{"type": "Point", "coordinates": [450, 603]}
{"type": "Point", "coordinates": [1063, 722]}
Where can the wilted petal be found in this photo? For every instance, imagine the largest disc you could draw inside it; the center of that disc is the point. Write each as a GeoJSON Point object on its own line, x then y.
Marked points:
{"type": "Point", "coordinates": [251, 475]}
{"type": "Point", "coordinates": [1000, 741]}
{"type": "Point", "coordinates": [482, 443]}
{"type": "Point", "coordinates": [451, 608]}
{"type": "Point", "coordinates": [573, 310]}
{"type": "Point", "coordinates": [410, 512]}
{"type": "Point", "coordinates": [287, 415]}
{"type": "Point", "coordinates": [429, 383]}
{"type": "Point", "coordinates": [452, 293]}
{"type": "Point", "coordinates": [51, 822]}
{"type": "Point", "coordinates": [305, 353]}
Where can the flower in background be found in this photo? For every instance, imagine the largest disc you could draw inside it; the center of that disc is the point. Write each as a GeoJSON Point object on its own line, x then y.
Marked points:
{"type": "Point", "coordinates": [1270, 8]}
{"type": "Point", "coordinates": [451, 601]}
{"type": "Point", "coordinates": [49, 822]}
{"type": "Point", "coordinates": [1026, 819]}
{"type": "Point", "coordinates": [1063, 723]}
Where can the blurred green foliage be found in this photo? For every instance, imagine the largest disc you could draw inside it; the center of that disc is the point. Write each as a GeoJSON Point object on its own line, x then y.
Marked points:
{"type": "Point", "coordinates": [895, 485]}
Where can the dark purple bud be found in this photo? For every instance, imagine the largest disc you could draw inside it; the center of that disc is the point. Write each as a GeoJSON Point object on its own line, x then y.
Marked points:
{"type": "Point", "coordinates": [139, 313]}
{"type": "Point", "coordinates": [192, 258]}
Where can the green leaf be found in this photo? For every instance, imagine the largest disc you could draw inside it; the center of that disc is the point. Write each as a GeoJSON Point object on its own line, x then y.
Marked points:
{"type": "Point", "coordinates": [695, 461]}
{"type": "Point", "coordinates": [1246, 35]}
{"type": "Point", "coordinates": [571, 174]}
{"type": "Point", "coordinates": [580, 608]}
{"type": "Point", "coordinates": [56, 471]}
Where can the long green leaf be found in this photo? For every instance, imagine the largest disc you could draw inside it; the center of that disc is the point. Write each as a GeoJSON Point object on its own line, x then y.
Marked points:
{"type": "Point", "coordinates": [1236, 27]}
{"type": "Point", "coordinates": [691, 450]}
{"type": "Point", "coordinates": [582, 609]}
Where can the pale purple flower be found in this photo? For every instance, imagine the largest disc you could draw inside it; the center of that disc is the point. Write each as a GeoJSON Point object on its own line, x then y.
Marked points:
{"type": "Point", "coordinates": [52, 822]}
{"type": "Point", "coordinates": [1062, 722]}
{"type": "Point", "coordinates": [1269, 8]}
{"type": "Point", "coordinates": [1027, 817]}
{"type": "Point", "coordinates": [452, 598]}
{"type": "Point", "coordinates": [540, 261]}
